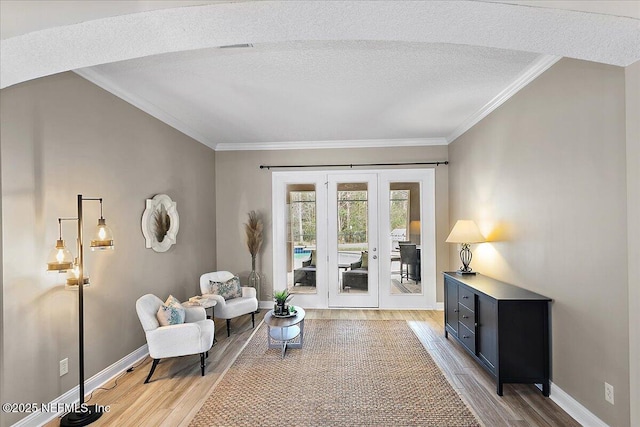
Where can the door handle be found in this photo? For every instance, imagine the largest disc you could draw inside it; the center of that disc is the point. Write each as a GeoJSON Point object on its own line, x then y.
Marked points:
{"type": "Point", "coordinates": [375, 257]}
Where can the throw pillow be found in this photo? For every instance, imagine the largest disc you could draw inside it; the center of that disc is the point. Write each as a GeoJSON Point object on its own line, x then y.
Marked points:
{"type": "Point", "coordinates": [171, 312]}
{"type": "Point", "coordinates": [365, 260]}
{"type": "Point", "coordinates": [227, 290]}
{"type": "Point", "coordinates": [173, 301]}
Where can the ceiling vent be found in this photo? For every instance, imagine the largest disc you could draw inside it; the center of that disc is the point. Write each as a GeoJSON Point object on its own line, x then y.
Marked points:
{"type": "Point", "coordinates": [237, 46]}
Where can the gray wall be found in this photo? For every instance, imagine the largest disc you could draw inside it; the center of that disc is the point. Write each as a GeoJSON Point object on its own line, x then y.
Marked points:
{"type": "Point", "coordinates": [545, 176]}
{"type": "Point", "coordinates": [63, 136]}
{"type": "Point", "coordinates": [241, 186]}
{"type": "Point", "coordinates": [632, 85]}
{"type": "Point", "coordinates": [1, 293]}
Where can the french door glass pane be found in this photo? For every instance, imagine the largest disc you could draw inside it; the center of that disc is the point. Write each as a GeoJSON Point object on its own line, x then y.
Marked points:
{"type": "Point", "coordinates": [404, 216]}
{"type": "Point", "coordinates": [301, 238]}
{"type": "Point", "coordinates": [353, 246]}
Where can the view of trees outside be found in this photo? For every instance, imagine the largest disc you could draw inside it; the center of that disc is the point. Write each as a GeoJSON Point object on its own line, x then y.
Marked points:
{"type": "Point", "coordinates": [302, 215]}
{"type": "Point", "coordinates": [352, 216]}
{"type": "Point", "coordinates": [399, 209]}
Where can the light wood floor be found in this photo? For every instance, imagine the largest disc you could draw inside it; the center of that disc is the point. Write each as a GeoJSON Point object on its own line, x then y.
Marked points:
{"type": "Point", "coordinates": [177, 390]}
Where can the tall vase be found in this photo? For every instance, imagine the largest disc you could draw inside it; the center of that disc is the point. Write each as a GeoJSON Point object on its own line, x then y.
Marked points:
{"type": "Point", "coordinates": [254, 278]}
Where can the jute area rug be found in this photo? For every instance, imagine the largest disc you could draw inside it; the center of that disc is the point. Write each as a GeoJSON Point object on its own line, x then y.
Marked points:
{"type": "Point", "coordinates": [349, 373]}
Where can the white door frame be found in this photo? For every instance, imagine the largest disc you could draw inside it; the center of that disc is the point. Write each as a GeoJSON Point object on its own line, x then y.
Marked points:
{"type": "Point", "coordinates": [337, 297]}
{"type": "Point", "coordinates": [426, 176]}
{"type": "Point", "coordinates": [427, 298]}
{"type": "Point", "coordinates": [279, 182]}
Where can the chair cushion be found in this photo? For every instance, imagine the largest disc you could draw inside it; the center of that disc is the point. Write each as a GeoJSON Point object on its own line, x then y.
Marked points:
{"type": "Point", "coordinates": [171, 312]}
{"type": "Point", "coordinates": [228, 289]}
{"type": "Point", "coordinates": [365, 260]}
{"type": "Point", "coordinates": [235, 307]}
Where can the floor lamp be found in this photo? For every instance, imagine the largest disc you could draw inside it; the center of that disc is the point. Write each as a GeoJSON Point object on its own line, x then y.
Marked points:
{"type": "Point", "coordinates": [60, 260]}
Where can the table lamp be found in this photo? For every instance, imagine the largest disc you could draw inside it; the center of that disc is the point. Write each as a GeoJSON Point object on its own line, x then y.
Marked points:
{"type": "Point", "coordinates": [465, 232]}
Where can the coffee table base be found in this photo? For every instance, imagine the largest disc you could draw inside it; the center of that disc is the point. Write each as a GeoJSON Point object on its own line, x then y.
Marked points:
{"type": "Point", "coordinates": [285, 337]}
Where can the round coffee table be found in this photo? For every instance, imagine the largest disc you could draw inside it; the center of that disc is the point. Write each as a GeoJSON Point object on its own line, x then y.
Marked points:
{"type": "Point", "coordinates": [283, 332]}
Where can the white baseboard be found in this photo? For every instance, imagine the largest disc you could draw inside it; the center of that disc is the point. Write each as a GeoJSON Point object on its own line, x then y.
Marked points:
{"type": "Point", "coordinates": [574, 408]}
{"type": "Point", "coordinates": [265, 304]}
{"type": "Point", "coordinates": [71, 397]}
{"type": "Point", "coordinates": [269, 304]}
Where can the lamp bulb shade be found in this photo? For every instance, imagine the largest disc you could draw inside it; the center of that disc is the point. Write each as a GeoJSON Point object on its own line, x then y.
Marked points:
{"type": "Point", "coordinates": [103, 237]}
{"type": "Point", "coordinates": [59, 259]}
{"type": "Point", "coordinates": [73, 277]}
{"type": "Point", "coordinates": [465, 231]}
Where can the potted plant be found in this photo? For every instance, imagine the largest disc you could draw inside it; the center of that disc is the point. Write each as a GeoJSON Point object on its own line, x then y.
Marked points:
{"type": "Point", "coordinates": [281, 299]}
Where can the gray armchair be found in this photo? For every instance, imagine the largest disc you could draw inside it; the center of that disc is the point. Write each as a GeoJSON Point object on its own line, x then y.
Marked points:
{"type": "Point", "coordinates": [306, 275]}
{"type": "Point", "coordinates": [358, 276]}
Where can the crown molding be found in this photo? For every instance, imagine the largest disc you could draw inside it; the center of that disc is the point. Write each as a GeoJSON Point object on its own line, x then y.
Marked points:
{"type": "Point", "coordinates": [542, 64]}
{"type": "Point", "coordinates": [313, 145]}
{"type": "Point", "coordinates": [150, 108]}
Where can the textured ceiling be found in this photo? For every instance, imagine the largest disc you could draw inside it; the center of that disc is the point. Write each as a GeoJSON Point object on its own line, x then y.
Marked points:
{"type": "Point", "coordinates": [321, 91]}
{"type": "Point", "coordinates": [341, 73]}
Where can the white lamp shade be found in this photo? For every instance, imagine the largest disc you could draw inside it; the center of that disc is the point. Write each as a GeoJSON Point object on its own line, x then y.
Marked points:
{"type": "Point", "coordinates": [465, 231]}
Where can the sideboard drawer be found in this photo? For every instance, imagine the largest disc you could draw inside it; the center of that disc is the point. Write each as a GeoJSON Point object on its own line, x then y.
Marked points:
{"type": "Point", "coordinates": [466, 297]}
{"type": "Point", "coordinates": [467, 317]}
{"type": "Point", "coordinates": [467, 337]}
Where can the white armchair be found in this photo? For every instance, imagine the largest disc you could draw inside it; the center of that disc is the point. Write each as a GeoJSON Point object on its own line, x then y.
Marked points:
{"type": "Point", "coordinates": [193, 336]}
{"type": "Point", "coordinates": [228, 309]}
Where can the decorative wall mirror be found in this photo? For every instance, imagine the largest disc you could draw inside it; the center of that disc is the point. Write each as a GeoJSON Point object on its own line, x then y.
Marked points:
{"type": "Point", "coordinates": [160, 223]}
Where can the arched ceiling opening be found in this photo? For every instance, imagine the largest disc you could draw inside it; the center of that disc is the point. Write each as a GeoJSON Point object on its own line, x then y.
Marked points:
{"type": "Point", "coordinates": [409, 72]}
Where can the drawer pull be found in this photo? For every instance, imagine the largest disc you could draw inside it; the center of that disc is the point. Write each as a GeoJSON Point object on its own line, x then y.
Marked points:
{"type": "Point", "coordinates": [465, 317]}
{"type": "Point", "coordinates": [465, 297]}
{"type": "Point", "coordinates": [465, 336]}
{"type": "Point", "coordinates": [456, 310]}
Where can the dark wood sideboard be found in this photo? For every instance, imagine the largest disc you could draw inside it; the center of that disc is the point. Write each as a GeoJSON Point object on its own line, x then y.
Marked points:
{"type": "Point", "coordinates": [503, 327]}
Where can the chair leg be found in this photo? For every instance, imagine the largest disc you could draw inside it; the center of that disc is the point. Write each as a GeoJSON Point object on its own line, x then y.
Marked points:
{"type": "Point", "coordinates": [228, 328]}
{"type": "Point", "coordinates": [202, 363]}
{"type": "Point", "coordinates": [253, 320]}
{"type": "Point", "coordinates": [153, 368]}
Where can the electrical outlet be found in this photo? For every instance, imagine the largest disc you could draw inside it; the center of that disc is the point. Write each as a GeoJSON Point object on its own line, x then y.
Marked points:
{"type": "Point", "coordinates": [64, 366]}
{"type": "Point", "coordinates": [608, 392]}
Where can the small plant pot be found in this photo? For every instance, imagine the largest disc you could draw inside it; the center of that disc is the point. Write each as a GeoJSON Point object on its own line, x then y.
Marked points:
{"type": "Point", "coordinates": [280, 309]}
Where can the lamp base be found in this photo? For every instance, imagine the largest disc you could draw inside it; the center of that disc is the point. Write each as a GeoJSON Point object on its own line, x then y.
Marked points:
{"type": "Point", "coordinates": [465, 273]}
{"type": "Point", "coordinates": [86, 416]}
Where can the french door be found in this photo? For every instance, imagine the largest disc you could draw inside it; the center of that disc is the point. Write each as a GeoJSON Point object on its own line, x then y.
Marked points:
{"type": "Point", "coordinates": [352, 236]}
{"type": "Point", "coordinates": [355, 238]}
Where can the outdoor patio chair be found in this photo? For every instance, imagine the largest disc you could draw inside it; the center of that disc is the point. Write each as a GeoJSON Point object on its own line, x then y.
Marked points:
{"type": "Point", "coordinates": [306, 275]}
{"type": "Point", "coordinates": [358, 276]}
{"type": "Point", "coordinates": [408, 258]}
